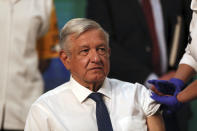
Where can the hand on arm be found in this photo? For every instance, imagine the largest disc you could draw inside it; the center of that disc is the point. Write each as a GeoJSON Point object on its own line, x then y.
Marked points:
{"type": "Point", "coordinates": [167, 87]}
{"type": "Point", "coordinates": [166, 76]}
{"type": "Point", "coordinates": [183, 74]}
{"type": "Point", "coordinates": [171, 88]}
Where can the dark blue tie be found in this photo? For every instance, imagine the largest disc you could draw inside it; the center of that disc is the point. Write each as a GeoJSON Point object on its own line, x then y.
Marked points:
{"type": "Point", "coordinates": [102, 115]}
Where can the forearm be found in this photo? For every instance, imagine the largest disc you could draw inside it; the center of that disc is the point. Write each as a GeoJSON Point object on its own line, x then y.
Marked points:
{"type": "Point", "coordinates": [155, 123]}
{"type": "Point", "coordinates": [184, 72]}
{"type": "Point", "coordinates": [189, 93]}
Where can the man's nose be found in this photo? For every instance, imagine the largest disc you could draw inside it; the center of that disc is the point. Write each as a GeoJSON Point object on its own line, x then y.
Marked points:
{"type": "Point", "coordinates": [94, 56]}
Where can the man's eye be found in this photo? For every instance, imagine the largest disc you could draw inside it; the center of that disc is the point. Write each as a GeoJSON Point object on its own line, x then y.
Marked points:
{"type": "Point", "coordinates": [84, 52]}
{"type": "Point", "coordinates": [102, 51]}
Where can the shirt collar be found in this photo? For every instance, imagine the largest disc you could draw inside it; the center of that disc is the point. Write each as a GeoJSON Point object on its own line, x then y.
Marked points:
{"type": "Point", "coordinates": [82, 92]}
{"type": "Point", "coordinates": [106, 88]}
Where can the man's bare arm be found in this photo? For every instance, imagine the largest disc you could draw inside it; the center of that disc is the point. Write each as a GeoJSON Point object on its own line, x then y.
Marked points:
{"type": "Point", "coordinates": [155, 122]}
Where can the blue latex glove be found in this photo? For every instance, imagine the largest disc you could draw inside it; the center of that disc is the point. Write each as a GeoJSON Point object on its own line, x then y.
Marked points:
{"type": "Point", "coordinates": [170, 103]}
{"type": "Point", "coordinates": [167, 87]}
{"type": "Point", "coordinates": [172, 88]}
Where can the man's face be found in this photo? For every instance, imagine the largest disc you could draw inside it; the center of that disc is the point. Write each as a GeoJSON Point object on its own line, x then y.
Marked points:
{"type": "Point", "coordinates": [89, 60]}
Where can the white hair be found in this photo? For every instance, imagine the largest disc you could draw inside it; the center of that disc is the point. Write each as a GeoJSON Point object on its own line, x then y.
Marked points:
{"type": "Point", "coordinates": [78, 26]}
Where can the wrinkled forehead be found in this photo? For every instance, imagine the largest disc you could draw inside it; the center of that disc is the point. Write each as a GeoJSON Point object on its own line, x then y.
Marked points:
{"type": "Point", "coordinates": [89, 37]}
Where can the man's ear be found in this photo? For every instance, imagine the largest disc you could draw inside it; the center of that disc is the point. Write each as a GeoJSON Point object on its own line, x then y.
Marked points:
{"type": "Point", "coordinates": [65, 59]}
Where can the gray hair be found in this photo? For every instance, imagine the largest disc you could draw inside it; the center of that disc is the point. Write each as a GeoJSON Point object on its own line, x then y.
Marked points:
{"type": "Point", "coordinates": [78, 26]}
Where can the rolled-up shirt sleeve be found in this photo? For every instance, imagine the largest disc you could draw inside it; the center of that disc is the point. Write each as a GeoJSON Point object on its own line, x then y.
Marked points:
{"type": "Point", "coordinates": [150, 107]}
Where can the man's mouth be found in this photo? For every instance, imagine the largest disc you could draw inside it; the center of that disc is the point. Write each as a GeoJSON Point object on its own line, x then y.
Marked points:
{"type": "Point", "coordinates": [96, 68]}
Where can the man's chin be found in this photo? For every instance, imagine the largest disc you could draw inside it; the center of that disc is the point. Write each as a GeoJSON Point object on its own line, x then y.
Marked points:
{"type": "Point", "coordinates": [97, 79]}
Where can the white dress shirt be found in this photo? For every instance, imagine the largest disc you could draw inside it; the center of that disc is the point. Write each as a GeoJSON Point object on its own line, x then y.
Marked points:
{"type": "Point", "coordinates": [21, 23]}
{"type": "Point", "coordinates": [190, 56]}
{"type": "Point", "coordinates": [68, 108]}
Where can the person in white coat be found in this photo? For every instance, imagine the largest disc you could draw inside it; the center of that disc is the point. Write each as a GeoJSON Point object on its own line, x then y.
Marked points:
{"type": "Point", "coordinates": [186, 70]}
{"type": "Point", "coordinates": [22, 22]}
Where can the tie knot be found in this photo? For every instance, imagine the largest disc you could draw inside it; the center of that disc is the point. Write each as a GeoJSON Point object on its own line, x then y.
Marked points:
{"type": "Point", "coordinates": [97, 97]}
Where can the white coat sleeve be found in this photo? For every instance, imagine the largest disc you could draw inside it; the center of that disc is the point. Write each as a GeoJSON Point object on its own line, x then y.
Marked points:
{"type": "Point", "coordinates": [190, 56]}
{"type": "Point", "coordinates": [45, 6]}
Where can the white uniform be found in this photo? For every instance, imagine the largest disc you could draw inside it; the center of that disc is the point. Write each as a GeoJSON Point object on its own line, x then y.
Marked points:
{"type": "Point", "coordinates": [190, 56]}
{"type": "Point", "coordinates": [21, 22]}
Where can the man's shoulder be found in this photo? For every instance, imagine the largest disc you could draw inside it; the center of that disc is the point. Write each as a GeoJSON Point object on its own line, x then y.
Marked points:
{"type": "Point", "coordinates": [54, 93]}
{"type": "Point", "coordinates": [123, 85]}
{"type": "Point", "coordinates": [130, 92]}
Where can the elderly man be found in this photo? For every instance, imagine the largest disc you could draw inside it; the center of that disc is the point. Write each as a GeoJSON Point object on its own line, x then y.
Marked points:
{"type": "Point", "coordinates": [90, 101]}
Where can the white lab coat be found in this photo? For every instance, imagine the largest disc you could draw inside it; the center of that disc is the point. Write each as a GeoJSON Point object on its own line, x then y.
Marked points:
{"type": "Point", "coordinates": [190, 56]}
{"type": "Point", "coordinates": [21, 23]}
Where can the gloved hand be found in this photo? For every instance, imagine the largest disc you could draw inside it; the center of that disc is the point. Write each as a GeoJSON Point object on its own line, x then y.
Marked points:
{"type": "Point", "coordinates": [170, 103]}
{"type": "Point", "coordinates": [167, 87]}
{"type": "Point", "coordinates": [172, 88]}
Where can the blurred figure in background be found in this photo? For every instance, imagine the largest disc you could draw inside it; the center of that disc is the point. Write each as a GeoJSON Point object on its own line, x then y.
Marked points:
{"type": "Point", "coordinates": [48, 50]}
{"type": "Point", "coordinates": [144, 36]}
{"type": "Point", "coordinates": [48, 45]}
{"type": "Point", "coordinates": [22, 22]}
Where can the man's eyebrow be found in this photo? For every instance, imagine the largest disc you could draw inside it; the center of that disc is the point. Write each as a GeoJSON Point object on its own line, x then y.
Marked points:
{"type": "Point", "coordinates": [102, 44]}
{"type": "Point", "coordinates": [83, 46]}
